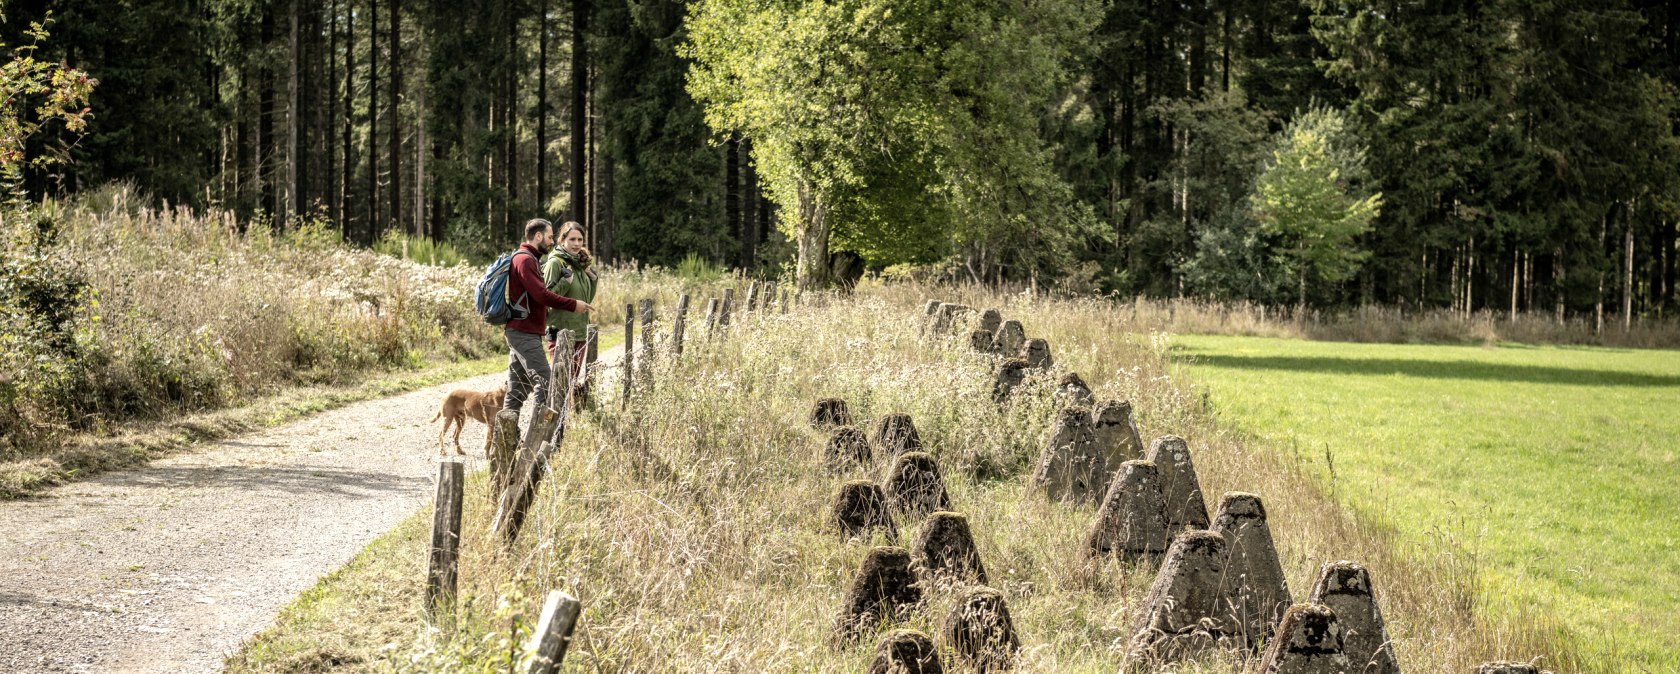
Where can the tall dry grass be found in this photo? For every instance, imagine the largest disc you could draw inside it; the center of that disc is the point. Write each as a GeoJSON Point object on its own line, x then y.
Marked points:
{"type": "Point", "coordinates": [1395, 325]}
{"type": "Point", "coordinates": [692, 523]}
{"type": "Point", "coordinates": [185, 311]}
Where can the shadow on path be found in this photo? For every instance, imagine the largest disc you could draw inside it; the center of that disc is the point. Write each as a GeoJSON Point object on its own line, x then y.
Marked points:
{"type": "Point", "coordinates": [291, 480]}
{"type": "Point", "coordinates": [1429, 369]}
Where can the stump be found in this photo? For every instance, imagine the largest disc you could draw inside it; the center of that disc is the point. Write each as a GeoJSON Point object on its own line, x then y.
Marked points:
{"type": "Point", "coordinates": [896, 434]}
{"type": "Point", "coordinates": [1185, 507]}
{"type": "Point", "coordinates": [1071, 391]}
{"type": "Point", "coordinates": [1037, 354]}
{"type": "Point", "coordinates": [1346, 588]}
{"type": "Point", "coordinates": [859, 507]}
{"type": "Point", "coordinates": [846, 447]}
{"type": "Point", "coordinates": [905, 652]}
{"type": "Point", "coordinates": [1132, 522]}
{"type": "Point", "coordinates": [1180, 617]}
{"type": "Point", "coordinates": [979, 631]}
{"type": "Point", "coordinates": [883, 590]}
{"type": "Point", "coordinates": [990, 319]}
{"type": "Point", "coordinates": [1010, 376]}
{"type": "Point", "coordinates": [914, 486]}
{"type": "Point", "coordinates": [1254, 578]}
{"type": "Point", "coordinates": [1308, 641]}
{"type": "Point", "coordinates": [1070, 469]}
{"type": "Point", "coordinates": [830, 412]}
{"type": "Point", "coordinates": [945, 549]}
{"type": "Point", "coordinates": [1010, 338]}
{"type": "Point", "coordinates": [1116, 434]}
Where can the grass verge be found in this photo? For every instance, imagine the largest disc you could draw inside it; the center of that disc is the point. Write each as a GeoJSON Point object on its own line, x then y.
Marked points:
{"type": "Point", "coordinates": [692, 523]}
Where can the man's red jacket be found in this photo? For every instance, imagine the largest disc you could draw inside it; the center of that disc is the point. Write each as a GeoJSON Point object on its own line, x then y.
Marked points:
{"type": "Point", "coordinates": [526, 289]}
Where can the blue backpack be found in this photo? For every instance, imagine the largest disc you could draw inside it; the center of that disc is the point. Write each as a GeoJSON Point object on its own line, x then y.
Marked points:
{"type": "Point", "coordinates": [490, 298]}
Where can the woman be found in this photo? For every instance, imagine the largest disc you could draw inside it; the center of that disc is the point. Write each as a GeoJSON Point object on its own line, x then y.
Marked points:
{"type": "Point", "coordinates": [568, 273]}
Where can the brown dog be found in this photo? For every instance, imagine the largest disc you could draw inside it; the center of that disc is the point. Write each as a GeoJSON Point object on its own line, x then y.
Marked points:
{"type": "Point", "coordinates": [462, 403]}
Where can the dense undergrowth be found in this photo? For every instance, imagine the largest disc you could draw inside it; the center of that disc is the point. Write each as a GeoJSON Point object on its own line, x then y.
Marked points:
{"type": "Point", "coordinates": [692, 522]}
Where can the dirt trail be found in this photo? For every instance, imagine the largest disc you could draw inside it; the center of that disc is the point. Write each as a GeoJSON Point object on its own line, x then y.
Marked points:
{"type": "Point", "coordinates": [171, 567]}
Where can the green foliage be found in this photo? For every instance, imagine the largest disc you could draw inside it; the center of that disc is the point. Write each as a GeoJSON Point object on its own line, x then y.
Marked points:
{"type": "Point", "coordinates": [1309, 198]}
{"type": "Point", "coordinates": [696, 268]}
{"type": "Point", "coordinates": [36, 94]}
{"type": "Point", "coordinates": [856, 107]}
{"type": "Point", "coordinates": [424, 250]}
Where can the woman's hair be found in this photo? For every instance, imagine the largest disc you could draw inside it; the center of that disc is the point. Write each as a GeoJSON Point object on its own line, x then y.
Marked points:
{"type": "Point", "coordinates": [566, 228]}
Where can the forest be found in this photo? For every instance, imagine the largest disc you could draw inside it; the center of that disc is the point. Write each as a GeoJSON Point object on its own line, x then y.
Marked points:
{"type": "Point", "coordinates": [1471, 155]}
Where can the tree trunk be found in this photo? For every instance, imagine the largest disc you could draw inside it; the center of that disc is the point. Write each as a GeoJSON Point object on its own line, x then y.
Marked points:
{"type": "Point", "coordinates": [580, 106]}
{"type": "Point", "coordinates": [542, 106]}
{"type": "Point", "coordinates": [751, 220]}
{"type": "Point", "coordinates": [732, 197]}
{"type": "Point", "coordinates": [1516, 282]}
{"type": "Point", "coordinates": [334, 206]}
{"type": "Point", "coordinates": [1627, 269]}
{"type": "Point", "coordinates": [393, 50]}
{"type": "Point", "coordinates": [293, 109]}
{"type": "Point", "coordinates": [420, 141]}
{"type": "Point", "coordinates": [265, 121]}
{"type": "Point", "coordinates": [510, 114]}
{"type": "Point", "coordinates": [814, 272]}
{"type": "Point", "coordinates": [372, 195]}
{"type": "Point", "coordinates": [347, 172]}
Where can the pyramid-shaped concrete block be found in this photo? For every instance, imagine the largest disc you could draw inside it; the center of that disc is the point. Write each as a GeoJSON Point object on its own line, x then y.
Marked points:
{"type": "Point", "coordinates": [1131, 523]}
{"type": "Point", "coordinates": [1254, 579]}
{"type": "Point", "coordinates": [1185, 507]}
{"type": "Point", "coordinates": [1116, 432]}
{"type": "Point", "coordinates": [1069, 468]}
{"type": "Point", "coordinates": [1182, 614]}
{"type": "Point", "coordinates": [946, 549]}
{"type": "Point", "coordinates": [1346, 588]}
{"type": "Point", "coordinates": [1308, 641]}
{"type": "Point", "coordinates": [980, 631]}
{"type": "Point", "coordinates": [860, 507]}
{"type": "Point", "coordinates": [883, 590]}
{"type": "Point", "coordinates": [914, 485]}
{"type": "Point", "coordinates": [905, 652]}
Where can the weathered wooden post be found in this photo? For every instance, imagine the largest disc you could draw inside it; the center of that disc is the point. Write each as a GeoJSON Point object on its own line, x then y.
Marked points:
{"type": "Point", "coordinates": [629, 356]}
{"type": "Point", "coordinates": [784, 300]}
{"type": "Point", "coordinates": [585, 386]}
{"type": "Point", "coordinates": [752, 298]}
{"type": "Point", "coordinates": [645, 310]}
{"type": "Point", "coordinates": [550, 421]}
{"type": "Point", "coordinates": [504, 447]}
{"type": "Point", "coordinates": [553, 633]}
{"type": "Point", "coordinates": [711, 315]}
{"type": "Point", "coordinates": [446, 537]}
{"type": "Point", "coordinates": [728, 303]}
{"type": "Point", "coordinates": [677, 325]}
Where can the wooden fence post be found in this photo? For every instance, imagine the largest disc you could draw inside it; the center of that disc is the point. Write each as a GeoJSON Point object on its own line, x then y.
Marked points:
{"type": "Point", "coordinates": [446, 537]}
{"type": "Point", "coordinates": [554, 633]}
{"type": "Point", "coordinates": [752, 298]}
{"type": "Point", "coordinates": [629, 356]}
{"type": "Point", "coordinates": [548, 427]}
{"type": "Point", "coordinates": [677, 325]}
{"type": "Point", "coordinates": [591, 353]}
{"type": "Point", "coordinates": [503, 449]}
{"type": "Point", "coordinates": [645, 310]}
{"type": "Point", "coordinates": [784, 300]}
{"type": "Point", "coordinates": [711, 315]}
{"type": "Point", "coordinates": [728, 303]}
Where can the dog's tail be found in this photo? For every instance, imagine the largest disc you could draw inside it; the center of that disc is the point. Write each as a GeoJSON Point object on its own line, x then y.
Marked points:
{"type": "Point", "coordinates": [435, 416]}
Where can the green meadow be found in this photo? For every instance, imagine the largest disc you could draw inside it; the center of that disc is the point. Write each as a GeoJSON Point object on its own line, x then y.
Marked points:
{"type": "Point", "coordinates": [1555, 468]}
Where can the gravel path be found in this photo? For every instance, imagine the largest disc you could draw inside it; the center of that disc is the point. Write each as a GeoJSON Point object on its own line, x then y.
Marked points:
{"type": "Point", "coordinates": [171, 567]}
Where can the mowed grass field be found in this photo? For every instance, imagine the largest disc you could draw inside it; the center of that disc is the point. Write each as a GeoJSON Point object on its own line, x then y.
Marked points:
{"type": "Point", "coordinates": [1558, 469]}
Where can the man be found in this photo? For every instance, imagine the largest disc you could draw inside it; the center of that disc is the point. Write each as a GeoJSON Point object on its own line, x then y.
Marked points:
{"type": "Point", "coordinates": [526, 359]}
